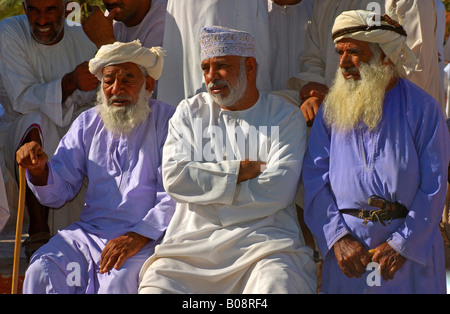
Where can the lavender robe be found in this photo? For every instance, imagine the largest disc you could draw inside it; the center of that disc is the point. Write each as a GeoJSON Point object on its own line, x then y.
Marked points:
{"type": "Point", "coordinates": [405, 160]}
{"type": "Point", "coordinates": [125, 193]}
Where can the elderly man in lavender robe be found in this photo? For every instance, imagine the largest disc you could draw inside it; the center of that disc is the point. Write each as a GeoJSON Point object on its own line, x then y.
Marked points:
{"type": "Point", "coordinates": [375, 170]}
{"type": "Point", "coordinates": [44, 84]}
{"type": "Point", "coordinates": [118, 146]}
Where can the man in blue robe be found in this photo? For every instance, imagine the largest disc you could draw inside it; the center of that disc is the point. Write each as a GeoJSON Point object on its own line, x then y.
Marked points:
{"type": "Point", "coordinates": [118, 146]}
{"type": "Point", "coordinates": [377, 137]}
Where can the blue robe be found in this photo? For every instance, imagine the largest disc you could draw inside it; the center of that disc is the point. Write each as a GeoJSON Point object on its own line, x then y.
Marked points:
{"type": "Point", "coordinates": [125, 194]}
{"type": "Point", "coordinates": [404, 160]}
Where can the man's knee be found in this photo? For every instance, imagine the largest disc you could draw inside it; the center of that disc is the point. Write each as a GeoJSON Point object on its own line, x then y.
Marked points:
{"type": "Point", "coordinates": [36, 278]}
{"type": "Point", "coordinates": [43, 276]}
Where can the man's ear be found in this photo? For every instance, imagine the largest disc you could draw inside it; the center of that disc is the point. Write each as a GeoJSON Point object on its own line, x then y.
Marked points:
{"type": "Point", "coordinates": [385, 60]}
{"type": "Point", "coordinates": [251, 67]}
{"type": "Point", "coordinates": [149, 83]}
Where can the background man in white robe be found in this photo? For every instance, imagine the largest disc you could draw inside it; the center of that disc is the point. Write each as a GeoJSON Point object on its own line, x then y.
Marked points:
{"type": "Point", "coordinates": [288, 20]}
{"type": "Point", "coordinates": [232, 162]}
{"type": "Point", "coordinates": [319, 61]}
{"type": "Point", "coordinates": [128, 20]}
{"type": "Point", "coordinates": [44, 81]}
{"type": "Point", "coordinates": [182, 78]}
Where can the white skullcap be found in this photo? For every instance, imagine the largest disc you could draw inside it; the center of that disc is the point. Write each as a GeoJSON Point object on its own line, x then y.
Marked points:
{"type": "Point", "coordinates": [371, 27]}
{"type": "Point", "coordinates": [217, 41]}
{"type": "Point", "coordinates": [151, 60]}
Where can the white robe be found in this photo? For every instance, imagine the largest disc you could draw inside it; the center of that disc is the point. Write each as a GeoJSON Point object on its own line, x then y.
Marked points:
{"type": "Point", "coordinates": [421, 25]}
{"type": "Point", "coordinates": [226, 237]}
{"type": "Point", "coordinates": [31, 93]}
{"type": "Point", "coordinates": [182, 76]}
{"type": "Point", "coordinates": [447, 87]}
{"type": "Point", "coordinates": [287, 39]}
{"type": "Point", "coordinates": [319, 61]}
{"type": "Point", "coordinates": [151, 29]}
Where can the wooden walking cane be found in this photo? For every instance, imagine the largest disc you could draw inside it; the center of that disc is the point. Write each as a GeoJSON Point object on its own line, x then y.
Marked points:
{"type": "Point", "coordinates": [20, 213]}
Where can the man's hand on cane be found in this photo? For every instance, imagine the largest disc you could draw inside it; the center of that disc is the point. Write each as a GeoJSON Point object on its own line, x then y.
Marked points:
{"type": "Point", "coordinates": [32, 157]}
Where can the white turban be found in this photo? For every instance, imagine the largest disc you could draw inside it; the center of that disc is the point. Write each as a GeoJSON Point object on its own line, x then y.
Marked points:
{"type": "Point", "coordinates": [371, 27]}
{"type": "Point", "coordinates": [150, 60]}
{"type": "Point", "coordinates": [217, 41]}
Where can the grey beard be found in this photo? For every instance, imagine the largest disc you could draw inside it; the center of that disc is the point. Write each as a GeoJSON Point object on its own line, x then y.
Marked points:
{"type": "Point", "coordinates": [123, 120]}
{"type": "Point", "coordinates": [236, 93]}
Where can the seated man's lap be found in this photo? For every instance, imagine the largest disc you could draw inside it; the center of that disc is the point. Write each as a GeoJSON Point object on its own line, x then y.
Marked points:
{"type": "Point", "coordinates": [70, 262]}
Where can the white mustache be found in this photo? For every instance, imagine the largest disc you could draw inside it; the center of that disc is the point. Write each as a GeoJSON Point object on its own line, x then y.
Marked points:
{"type": "Point", "coordinates": [218, 83]}
{"type": "Point", "coordinates": [119, 98]}
{"type": "Point", "coordinates": [350, 69]}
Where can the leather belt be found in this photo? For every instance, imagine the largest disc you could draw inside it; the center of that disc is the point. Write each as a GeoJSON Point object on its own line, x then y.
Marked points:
{"type": "Point", "coordinates": [387, 212]}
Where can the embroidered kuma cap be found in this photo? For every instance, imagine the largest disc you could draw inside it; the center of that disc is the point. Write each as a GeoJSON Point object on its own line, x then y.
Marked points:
{"type": "Point", "coordinates": [217, 41]}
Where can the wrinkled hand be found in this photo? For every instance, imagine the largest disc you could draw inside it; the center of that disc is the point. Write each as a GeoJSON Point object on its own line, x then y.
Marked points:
{"type": "Point", "coordinates": [389, 260]}
{"type": "Point", "coordinates": [309, 109]}
{"type": "Point", "coordinates": [79, 79]}
{"type": "Point", "coordinates": [31, 156]}
{"type": "Point", "coordinates": [250, 169]}
{"type": "Point", "coordinates": [313, 89]}
{"type": "Point", "coordinates": [118, 250]}
{"type": "Point", "coordinates": [351, 256]}
{"type": "Point", "coordinates": [84, 79]}
{"type": "Point", "coordinates": [99, 28]}
{"type": "Point", "coordinates": [311, 96]}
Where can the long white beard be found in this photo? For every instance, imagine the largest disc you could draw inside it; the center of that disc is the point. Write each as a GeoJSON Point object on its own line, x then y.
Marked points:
{"type": "Point", "coordinates": [236, 92]}
{"type": "Point", "coordinates": [123, 120]}
{"type": "Point", "coordinates": [351, 102]}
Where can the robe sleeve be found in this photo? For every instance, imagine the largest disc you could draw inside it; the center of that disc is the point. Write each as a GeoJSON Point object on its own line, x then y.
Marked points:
{"type": "Point", "coordinates": [415, 237]}
{"type": "Point", "coordinates": [312, 65]}
{"type": "Point", "coordinates": [64, 182]}
{"type": "Point", "coordinates": [321, 213]}
{"type": "Point", "coordinates": [186, 177]}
